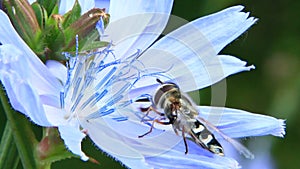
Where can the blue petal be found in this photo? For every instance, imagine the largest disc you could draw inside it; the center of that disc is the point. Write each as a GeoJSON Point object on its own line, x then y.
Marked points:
{"type": "Point", "coordinates": [238, 123]}
{"type": "Point", "coordinates": [103, 4]}
{"type": "Point", "coordinates": [31, 1]}
{"type": "Point", "coordinates": [58, 70]}
{"type": "Point", "coordinates": [187, 70]}
{"type": "Point", "coordinates": [189, 55]}
{"type": "Point", "coordinates": [223, 27]}
{"type": "Point", "coordinates": [162, 149]}
{"type": "Point", "coordinates": [72, 137]}
{"type": "Point", "coordinates": [123, 8]}
{"type": "Point", "coordinates": [146, 19]}
{"type": "Point", "coordinates": [21, 82]}
{"type": "Point", "coordinates": [47, 83]}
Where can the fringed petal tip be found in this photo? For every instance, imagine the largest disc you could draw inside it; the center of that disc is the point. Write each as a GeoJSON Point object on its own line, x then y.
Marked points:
{"type": "Point", "coordinates": [83, 157]}
{"type": "Point", "coordinates": [73, 137]}
{"type": "Point", "coordinates": [281, 128]}
{"type": "Point", "coordinates": [250, 67]}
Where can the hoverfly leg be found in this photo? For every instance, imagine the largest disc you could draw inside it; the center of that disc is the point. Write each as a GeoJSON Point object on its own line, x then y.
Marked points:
{"type": "Point", "coordinates": [175, 130]}
{"type": "Point", "coordinates": [152, 126]}
{"type": "Point", "coordinates": [184, 140]}
{"type": "Point", "coordinates": [153, 110]}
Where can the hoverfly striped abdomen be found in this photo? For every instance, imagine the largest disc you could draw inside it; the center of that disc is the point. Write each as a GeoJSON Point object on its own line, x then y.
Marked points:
{"type": "Point", "coordinates": [202, 136]}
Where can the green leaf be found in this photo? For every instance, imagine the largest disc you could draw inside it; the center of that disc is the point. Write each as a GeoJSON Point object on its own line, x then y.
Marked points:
{"type": "Point", "coordinates": [9, 155]}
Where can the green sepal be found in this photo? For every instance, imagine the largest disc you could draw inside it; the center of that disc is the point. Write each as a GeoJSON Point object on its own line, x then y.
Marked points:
{"type": "Point", "coordinates": [52, 148]}
{"type": "Point", "coordinates": [41, 14]}
{"type": "Point", "coordinates": [24, 20]}
{"type": "Point", "coordinates": [91, 42]}
{"type": "Point", "coordinates": [49, 34]}
{"type": "Point", "coordinates": [49, 5]}
{"type": "Point", "coordinates": [82, 27]}
{"type": "Point", "coordinates": [71, 16]}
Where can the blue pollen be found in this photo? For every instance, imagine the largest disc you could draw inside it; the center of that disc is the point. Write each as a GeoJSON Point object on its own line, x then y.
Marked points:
{"type": "Point", "coordinates": [120, 118]}
{"type": "Point", "coordinates": [62, 99]}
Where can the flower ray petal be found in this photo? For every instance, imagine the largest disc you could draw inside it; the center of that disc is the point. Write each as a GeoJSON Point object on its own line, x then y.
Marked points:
{"type": "Point", "coordinates": [223, 27]}
{"type": "Point", "coordinates": [146, 20]}
{"type": "Point", "coordinates": [153, 151]}
{"type": "Point", "coordinates": [239, 123]}
{"type": "Point", "coordinates": [72, 137]}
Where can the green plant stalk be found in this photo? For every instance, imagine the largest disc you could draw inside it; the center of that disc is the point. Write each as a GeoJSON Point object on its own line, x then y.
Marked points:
{"type": "Point", "coordinates": [23, 135]}
{"type": "Point", "coordinates": [8, 151]}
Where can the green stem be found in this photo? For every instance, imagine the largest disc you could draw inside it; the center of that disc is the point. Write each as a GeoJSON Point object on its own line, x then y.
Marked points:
{"type": "Point", "coordinates": [23, 135]}
{"type": "Point", "coordinates": [9, 154]}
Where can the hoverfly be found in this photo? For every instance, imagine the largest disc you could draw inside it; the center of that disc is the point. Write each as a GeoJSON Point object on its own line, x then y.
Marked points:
{"type": "Point", "coordinates": [181, 113]}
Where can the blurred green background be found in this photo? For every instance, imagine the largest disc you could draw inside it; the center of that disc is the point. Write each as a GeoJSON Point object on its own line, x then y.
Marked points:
{"type": "Point", "coordinates": [273, 88]}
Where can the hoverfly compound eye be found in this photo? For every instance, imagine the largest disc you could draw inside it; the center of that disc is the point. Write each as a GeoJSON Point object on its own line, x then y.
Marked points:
{"type": "Point", "coordinates": [164, 88]}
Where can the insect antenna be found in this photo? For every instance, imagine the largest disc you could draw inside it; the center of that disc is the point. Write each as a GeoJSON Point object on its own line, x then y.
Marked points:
{"type": "Point", "coordinates": [159, 81]}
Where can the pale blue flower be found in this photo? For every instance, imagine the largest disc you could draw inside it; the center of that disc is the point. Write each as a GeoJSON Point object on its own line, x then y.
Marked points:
{"type": "Point", "coordinates": [96, 92]}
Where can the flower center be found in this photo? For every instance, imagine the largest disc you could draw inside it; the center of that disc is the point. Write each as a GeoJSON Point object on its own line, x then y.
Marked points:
{"type": "Point", "coordinates": [98, 83]}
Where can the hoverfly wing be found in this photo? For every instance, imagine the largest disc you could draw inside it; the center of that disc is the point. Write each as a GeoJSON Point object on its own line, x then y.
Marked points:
{"type": "Point", "coordinates": [237, 145]}
{"type": "Point", "coordinates": [202, 136]}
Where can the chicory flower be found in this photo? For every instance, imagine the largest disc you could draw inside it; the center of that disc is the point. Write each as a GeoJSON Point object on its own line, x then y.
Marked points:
{"type": "Point", "coordinates": [95, 93]}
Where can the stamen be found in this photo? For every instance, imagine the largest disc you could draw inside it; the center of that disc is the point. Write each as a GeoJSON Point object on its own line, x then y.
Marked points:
{"type": "Point", "coordinates": [105, 78]}
{"type": "Point", "coordinates": [76, 88]}
{"type": "Point", "coordinates": [120, 118]}
{"type": "Point", "coordinates": [77, 71]}
{"type": "Point", "coordinates": [76, 102]}
{"type": "Point", "coordinates": [90, 86]}
{"type": "Point", "coordinates": [99, 97]}
{"type": "Point", "coordinates": [99, 113]}
{"type": "Point", "coordinates": [124, 104]}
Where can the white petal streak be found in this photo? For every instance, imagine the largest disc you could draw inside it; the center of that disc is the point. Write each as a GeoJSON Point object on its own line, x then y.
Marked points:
{"type": "Point", "coordinates": [146, 19]}
{"type": "Point", "coordinates": [72, 137]}
{"type": "Point", "coordinates": [239, 123]}
{"type": "Point", "coordinates": [223, 27]}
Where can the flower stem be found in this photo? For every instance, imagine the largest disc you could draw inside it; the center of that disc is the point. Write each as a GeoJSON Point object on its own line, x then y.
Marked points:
{"type": "Point", "coordinates": [23, 135]}
{"type": "Point", "coordinates": [9, 155]}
